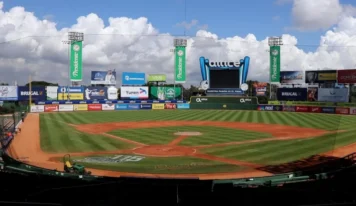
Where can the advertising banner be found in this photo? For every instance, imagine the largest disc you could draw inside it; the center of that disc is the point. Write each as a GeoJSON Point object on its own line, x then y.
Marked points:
{"type": "Point", "coordinates": [333, 94]}
{"type": "Point", "coordinates": [292, 77]}
{"type": "Point", "coordinates": [146, 106]}
{"type": "Point", "coordinates": [301, 108]}
{"type": "Point", "coordinates": [292, 94]}
{"type": "Point", "coordinates": [51, 92]}
{"type": "Point", "coordinates": [133, 78]}
{"type": "Point", "coordinates": [80, 107]}
{"type": "Point", "coordinates": [95, 93]}
{"type": "Point", "coordinates": [121, 106]}
{"type": "Point", "coordinates": [312, 94]}
{"type": "Point", "coordinates": [65, 107]}
{"type": "Point", "coordinates": [37, 108]}
{"type": "Point", "coordinates": [108, 107]}
{"type": "Point", "coordinates": [51, 108]}
{"type": "Point", "coordinates": [170, 106]}
{"type": "Point", "coordinates": [265, 108]}
{"type": "Point", "coordinates": [183, 106]}
{"type": "Point", "coordinates": [342, 110]}
{"type": "Point", "coordinates": [94, 107]}
{"type": "Point", "coordinates": [277, 108]}
{"type": "Point", "coordinates": [103, 77]}
{"type": "Point", "coordinates": [330, 110]}
{"type": "Point", "coordinates": [289, 108]}
{"type": "Point", "coordinates": [240, 100]}
{"type": "Point", "coordinates": [70, 96]}
{"type": "Point", "coordinates": [275, 63]}
{"type": "Point", "coordinates": [347, 76]}
{"type": "Point", "coordinates": [76, 70]}
{"type": "Point", "coordinates": [134, 92]}
{"type": "Point", "coordinates": [314, 109]}
{"type": "Point", "coordinates": [260, 88]}
{"type": "Point", "coordinates": [133, 106]}
{"type": "Point", "coordinates": [8, 93]}
{"type": "Point", "coordinates": [179, 66]}
{"type": "Point", "coordinates": [353, 110]}
{"type": "Point", "coordinates": [157, 106]}
{"type": "Point", "coordinates": [165, 93]}
{"type": "Point", "coordinates": [75, 90]}
{"type": "Point", "coordinates": [157, 78]}
{"type": "Point", "coordinates": [37, 93]}
{"type": "Point", "coordinates": [320, 76]}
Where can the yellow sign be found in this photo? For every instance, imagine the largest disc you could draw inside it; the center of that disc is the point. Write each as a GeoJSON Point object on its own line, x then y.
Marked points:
{"type": "Point", "coordinates": [327, 76]}
{"type": "Point", "coordinates": [80, 107]}
{"type": "Point", "coordinates": [157, 106]}
{"type": "Point", "coordinates": [72, 96]}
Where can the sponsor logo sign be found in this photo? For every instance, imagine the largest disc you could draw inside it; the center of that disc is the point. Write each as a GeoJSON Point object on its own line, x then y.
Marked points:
{"type": "Point", "coordinates": [62, 89]}
{"type": "Point", "coordinates": [112, 159]}
{"type": "Point", "coordinates": [292, 94]}
{"type": "Point", "coordinates": [342, 110]}
{"type": "Point", "coordinates": [346, 76]}
{"type": "Point", "coordinates": [320, 76]}
{"type": "Point", "coordinates": [146, 106]}
{"type": "Point", "coordinates": [134, 92]}
{"type": "Point", "coordinates": [80, 107]}
{"type": "Point", "coordinates": [106, 107]}
{"type": "Point", "coordinates": [51, 92]}
{"type": "Point", "coordinates": [301, 108]}
{"type": "Point", "coordinates": [51, 108]}
{"type": "Point", "coordinates": [165, 93]}
{"type": "Point", "coordinates": [156, 77]}
{"type": "Point", "coordinates": [183, 106]}
{"type": "Point", "coordinates": [121, 106]}
{"type": "Point", "coordinates": [268, 108]}
{"type": "Point", "coordinates": [170, 106]}
{"type": "Point", "coordinates": [289, 108]}
{"type": "Point", "coordinates": [330, 110]}
{"type": "Point", "coordinates": [291, 77]}
{"type": "Point", "coordinates": [157, 106]}
{"type": "Point", "coordinates": [94, 107]}
{"type": "Point", "coordinates": [76, 70]}
{"type": "Point", "coordinates": [37, 108]}
{"type": "Point", "coordinates": [333, 94]}
{"type": "Point", "coordinates": [132, 78]}
{"type": "Point", "coordinates": [97, 93]}
{"type": "Point", "coordinates": [103, 77]}
{"type": "Point", "coordinates": [353, 110]}
{"type": "Point", "coordinates": [8, 93]}
{"type": "Point", "coordinates": [65, 107]}
{"type": "Point", "coordinates": [314, 109]}
{"type": "Point", "coordinates": [260, 88]}
{"type": "Point", "coordinates": [261, 108]}
{"type": "Point", "coordinates": [133, 106]}
{"type": "Point", "coordinates": [37, 93]}
{"type": "Point", "coordinates": [277, 108]}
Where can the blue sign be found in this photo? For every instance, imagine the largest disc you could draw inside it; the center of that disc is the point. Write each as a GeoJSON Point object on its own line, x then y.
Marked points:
{"type": "Point", "coordinates": [146, 106]}
{"type": "Point", "coordinates": [183, 106]}
{"type": "Point", "coordinates": [132, 78]}
{"type": "Point", "coordinates": [97, 93]}
{"type": "Point", "coordinates": [330, 110]}
{"type": "Point", "coordinates": [265, 108]}
{"type": "Point", "coordinates": [38, 93]}
{"type": "Point", "coordinates": [133, 106]}
{"type": "Point", "coordinates": [103, 77]}
{"type": "Point", "coordinates": [121, 106]}
{"type": "Point", "coordinates": [63, 89]}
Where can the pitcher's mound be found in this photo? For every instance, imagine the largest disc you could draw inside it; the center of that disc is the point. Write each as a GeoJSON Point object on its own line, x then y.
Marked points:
{"type": "Point", "coordinates": [188, 133]}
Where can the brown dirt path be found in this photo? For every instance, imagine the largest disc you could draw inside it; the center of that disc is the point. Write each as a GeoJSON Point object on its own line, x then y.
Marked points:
{"type": "Point", "coordinates": [177, 140]}
{"type": "Point", "coordinates": [342, 151]}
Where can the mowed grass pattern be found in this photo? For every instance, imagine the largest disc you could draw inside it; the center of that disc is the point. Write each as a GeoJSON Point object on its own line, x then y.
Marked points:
{"type": "Point", "coordinates": [209, 135]}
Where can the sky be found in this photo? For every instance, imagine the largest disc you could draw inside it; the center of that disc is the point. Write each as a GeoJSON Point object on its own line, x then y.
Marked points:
{"type": "Point", "coordinates": [138, 35]}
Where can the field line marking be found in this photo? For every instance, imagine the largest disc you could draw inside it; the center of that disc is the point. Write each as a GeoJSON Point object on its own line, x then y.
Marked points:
{"type": "Point", "coordinates": [123, 139]}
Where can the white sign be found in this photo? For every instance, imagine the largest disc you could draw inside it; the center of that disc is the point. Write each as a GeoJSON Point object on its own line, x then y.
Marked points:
{"type": "Point", "coordinates": [8, 93]}
{"type": "Point", "coordinates": [65, 108]}
{"type": "Point", "coordinates": [51, 92]}
{"type": "Point", "coordinates": [134, 92]}
{"type": "Point", "coordinates": [37, 108]}
{"type": "Point", "coordinates": [224, 64]}
{"type": "Point", "coordinates": [353, 110]}
{"type": "Point", "coordinates": [333, 95]}
{"type": "Point", "coordinates": [107, 107]}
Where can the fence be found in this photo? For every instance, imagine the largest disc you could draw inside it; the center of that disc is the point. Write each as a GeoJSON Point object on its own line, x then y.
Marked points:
{"type": "Point", "coordinates": [8, 124]}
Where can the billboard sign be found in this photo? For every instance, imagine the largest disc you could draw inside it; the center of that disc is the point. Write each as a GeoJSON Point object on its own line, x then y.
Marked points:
{"type": "Point", "coordinates": [133, 78]}
{"type": "Point", "coordinates": [289, 108]}
{"type": "Point", "coordinates": [157, 77]}
{"type": "Point", "coordinates": [260, 88]}
{"type": "Point", "coordinates": [333, 94]}
{"type": "Point", "coordinates": [107, 107]}
{"type": "Point", "coordinates": [8, 93]}
{"type": "Point", "coordinates": [347, 76]}
{"type": "Point", "coordinates": [275, 63]}
{"type": "Point", "coordinates": [134, 92]}
{"type": "Point", "coordinates": [70, 93]}
{"type": "Point", "coordinates": [94, 107]}
{"type": "Point", "coordinates": [183, 106]}
{"type": "Point", "coordinates": [292, 94]}
{"type": "Point", "coordinates": [329, 110]}
{"type": "Point", "coordinates": [51, 108]}
{"type": "Point", "coordinates": [165, 93]}
{"type": "Point", "coordinates": [51, 92]}
{"type": "Point", "coordinates": [312, 94]}
{"type": "Point", "coordinates": [95, 93]}
{"type": "Point", "coordinates": [342, 110]}
{"type": "Point", "coordinates": [353, 110]}
{"type": "Point", "coordinates": [38, 93]}
{"type": "Point", "coordinates": [76, 70]}
{"type": "Point", "coordinates": [37, 108]}
{"type": "Point", "coordinates": [179, 67]}
{"type": "Point", "coordinates": [103, 77]}
{"type": "Point", "coordinates": [121, 106]}
{"type": "Point", "coordinates": [146, 106]}
{"type": "Point", "coordinates": [320, 76]}
{"type": "Point", "coordinates": [291, 77]}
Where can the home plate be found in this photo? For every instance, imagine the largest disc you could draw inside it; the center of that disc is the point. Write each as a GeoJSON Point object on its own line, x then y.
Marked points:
{"type": "Point", "coordinates": [188, 133]}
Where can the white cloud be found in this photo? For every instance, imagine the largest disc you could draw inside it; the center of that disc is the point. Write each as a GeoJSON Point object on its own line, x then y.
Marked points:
{"type": "Point", "coordinates": [126, 44]}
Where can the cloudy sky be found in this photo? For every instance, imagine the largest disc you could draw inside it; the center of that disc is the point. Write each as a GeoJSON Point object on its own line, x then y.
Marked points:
{"type": "Point", "coordinates": [137, 35]}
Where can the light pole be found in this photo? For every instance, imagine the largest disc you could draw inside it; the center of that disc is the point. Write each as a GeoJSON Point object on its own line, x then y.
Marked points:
{"type": "Point", "coordinates": [274, 50]}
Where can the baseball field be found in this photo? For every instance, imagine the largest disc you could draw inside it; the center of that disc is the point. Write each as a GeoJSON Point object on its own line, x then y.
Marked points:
{"type": "Point", "coordinates": [208, 144]}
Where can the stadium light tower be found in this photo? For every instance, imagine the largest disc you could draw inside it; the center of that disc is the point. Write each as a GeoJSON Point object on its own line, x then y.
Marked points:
{"type": "Point", "coordinates": [275, 60]}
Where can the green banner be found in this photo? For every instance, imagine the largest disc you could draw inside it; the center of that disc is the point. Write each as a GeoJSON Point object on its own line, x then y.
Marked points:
{"type": "Point", "coordinates": [236, 100]}
{"type": "Point", "coordinates": [275, 63]}
{"type": "Point", "coordinates": [156, 77]}
{"type": "Point", "coordinates": [76, 70]}
{"type": "Point", "coordinates": [179, 71]}
{"type": "Point", "coordinates": [165, 93]}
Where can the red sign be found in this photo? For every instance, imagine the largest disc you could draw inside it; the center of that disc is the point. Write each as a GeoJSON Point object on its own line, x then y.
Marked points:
{"type": "Point", "coordinates": [94, 107]}
{"type": "Point", "coordinates": [315, 109]}
{"type": "Point", "coordinates": [51, 108]}
{"type": "Point", "coordinates": [342, 110]}
{"type": "Point", "coordinates": [346, 76]}
{"type": "Point", "coordinates": [170, 106]}
{"type": "Point", "coordinates": [301, 109]}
